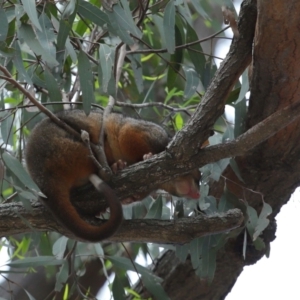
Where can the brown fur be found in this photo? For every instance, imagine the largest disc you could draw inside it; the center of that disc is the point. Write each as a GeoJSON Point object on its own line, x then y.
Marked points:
{"type": "Point", "coordinates": [60, 164]}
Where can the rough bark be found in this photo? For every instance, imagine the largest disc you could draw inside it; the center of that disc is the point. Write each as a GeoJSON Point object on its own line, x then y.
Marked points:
{"type": "Point", "coordinates": [135, 230]}
{"type": "Point", "coordinates": [272, 168]}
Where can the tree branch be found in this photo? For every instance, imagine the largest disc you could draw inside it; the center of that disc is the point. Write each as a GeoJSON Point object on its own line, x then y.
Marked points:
{"type": "Point", "coordinates": [15, 219]}
{"type": "Point", "coordinates": [162, 167]}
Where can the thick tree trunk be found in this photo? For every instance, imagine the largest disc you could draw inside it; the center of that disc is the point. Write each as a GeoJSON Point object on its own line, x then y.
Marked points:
{"type": "Point", "coordinates": [271, 170]}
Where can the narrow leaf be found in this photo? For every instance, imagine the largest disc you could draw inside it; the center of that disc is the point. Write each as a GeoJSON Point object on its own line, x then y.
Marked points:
{"type": "Point", "coordinates": [59, 247]}
{"type": "Point", "coordinates": [138, 210]}
{"type": "Point", "coordinates": [245, 86]}
{"type": "Point", "coordinates": [169, 26]}
{"type": "Point", "coordinates": [200, 10]}
{"type": "Point", "coordinates": [52, 87]}
{"type": "Point", "coordinates": [18, 61]}
{"type": "Point", "coordinates": [234, 166]}
{"type": "Point", "coordinates": [182, 252]}
{"type": "Point", "coordinates": [6, 129]}
{"type": "Point", "coordinates": [3, 25]}
{"type": "Point", "coordinates": [118, 289]}
{"type": "Point", "coordinates": [129, 22]}
{"type": "Point", "coordinates": [86, 81]}
{"type": "Point", "coordinates": [192, 82]}
{"type": "Point", "coordinates": [63, 34]}
{"type": "Point", "coordinates": [35, 262]}
{"type": "Point", "coordinates": [195, 250]}
{"type": "Point", "coordinates": [176, 60]}
{"type": "Point", "coordinates": [245, 244]}
{"type": "Point", "coordinates": [107, 57]}
{"type": "Point", "coordinates": [123, 24]}
{"type": "Point", "coordinates": [92, 13]}
{"type": "Point", "coordinates": [197, 56]}
{"type": "Point", "coordinates": [30, 297]}
{"type": "Point", "coordinates": [30, 8]}
{"type": "Point", "coordinates": [27, 35]}
{"type": "Point", "coordinates": [62, 276]}
{"type": "Point", "coordinates": [263, 221]}
{"type": "Point", "coordinates": [252, 220]}
{"type": "Point", "coordinates": [155, 210]}
{"type": "Point", "coordinates": [154, 287]}
{"type": "Point", "coordinates": [15, 166]}
{"type": "Point", "coordinates": [138, 72]}
{"type": "Point", "coordinates": [47, 37]}
{"type": "Point", "coordinates": [240, 117]}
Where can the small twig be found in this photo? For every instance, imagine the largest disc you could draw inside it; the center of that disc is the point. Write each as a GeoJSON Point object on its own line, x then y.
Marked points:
{"type": "Point", "coordinates": [164, 50]}
{"type": "Point", "coordinates": [144, 105]}
{"type": "Point", "coordinates": [143, 12]}
{"type": "Point", "coordinates": [201, 52]}
{"type": "Point", "coordinates": [166, 61]}
{"type": "Point", "coordinates": [49, 103]}
{"type": "Point", "coordinates": [85, 137]}
{"type": "Point", "coordinates": [108, 109]}
{"type": "Point", "coordinates": [41, 107]}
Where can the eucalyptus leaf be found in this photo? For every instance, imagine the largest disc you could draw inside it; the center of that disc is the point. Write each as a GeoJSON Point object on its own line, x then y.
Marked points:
{"type": "Point", "coordinates": [245, 86]}
{"type": "Point", "coordinates": [130, 23]}
{"type": "Point", "coordinates": [138, 210]}
{"type": "Point", "coordinates": [154, 287]}
{"type": "Point", "coordinates": [27, 35]}
{"type": "Point", "coordinates": [182, 252]}
{"type": "Point", "coordinates": [196, 251]}
{"type": "Point", "coordinates": [107, 59]}
{"type": "Point", "coordinates": [217, 168]}
{"type": "Point", "coordinates": [6, 129]}
{"type": "Point", "coordinates": [127, 212]}
{"type": "Point", "coordinates": [229, 201]}
{"type": "Point", "coordinates": [228, 134]}
{"type": "Point", "coordinates": [30, 9]}
{"type": "Point", "coordinates": [192, 82]}
{"type": "Point", "coordinates": [31, 262]}
{"type": "Point", "coordinates": [15, 167]}
{"type": "Point", "coordinates": [240, 117]}
{"type": "Point", "coordinates": [259, 244]}
{"type": "Point", "coordinates": [47, 37]}
{"type": "Point", "coordinates": [263, 221]}
{"type": "Point", "coordinates": [252, 220]}
{"type": "Point", "coordinates": [138, 71]}
{"type": "Point", "coordinates": [234, 166]}
{"type": "Point", "coordinates": [123, 24]}
{"type": "Point", "coordinates": [245, 244]}
{"type": "Point", "coordinates": [179, 210]}
{"type": "Point", "coordinates": [18, 61]}
{"type": "Point", "coordinates": [197, 56]}
{"type": "Point", "coordinates": [3, 25]}
{"type": "Point", "coordinates": [118, 289]}
{"type": "Point", "coordinates": [59, 247]}
{"type": "Point", "coordinates": [30, 297]}
{"type": "Point", "coordinates": [62, 276]}
{"type": "Point", "coordinates": [52, 87]}
{"type": "Point", "coordinates": [86, 81]}
{"type": "Point", "coordinates": [169, 26]}
{"type": "Point", "coordinates": [92, 13]}
{"type": "Point", "coordinates": [155, 211]}
{"type": "Point", "coordinates": [127, 264]}
{"type": "Point", "coordinates": [207, 267]}
{"type": "Point", "coordinates": [211, 205]}
{"type": "Point", "coordinates": [198, 7]}
{"type": "Point", "coordinates": [62, 35]}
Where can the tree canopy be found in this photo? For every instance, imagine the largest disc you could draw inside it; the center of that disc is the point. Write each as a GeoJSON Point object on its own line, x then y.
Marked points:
{"type": "Point", "coordinates": [153, 60]}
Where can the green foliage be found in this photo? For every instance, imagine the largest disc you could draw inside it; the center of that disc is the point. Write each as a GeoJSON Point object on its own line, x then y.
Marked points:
{"type": "Point", "coordinates": [68, 51]}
